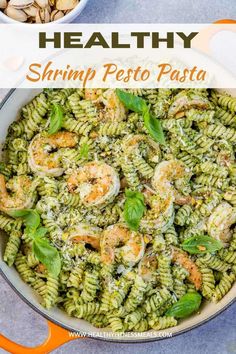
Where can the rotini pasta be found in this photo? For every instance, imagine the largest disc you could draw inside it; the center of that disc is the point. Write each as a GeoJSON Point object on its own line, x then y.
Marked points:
{"type": "Point", "coordinates": [79, 179]}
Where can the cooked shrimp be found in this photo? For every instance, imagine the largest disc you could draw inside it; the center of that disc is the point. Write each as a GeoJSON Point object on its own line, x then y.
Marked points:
{"type": "Point", "coordinates": [166, 173]}
{"type": "Point", "coordinates": [179, 199]}
{"type": "Point", "coordinates": [180, 257]}
{"type": "Point", "coordinates": [84, 233]}
{"type": "Point", "coordinates": [110, 108]}
{"type": "Point", "coordinates": [184, 199]}
{"type": "Point", "coordinates": [22, 194]}
{"type": "Point", "coordinates": [132, 143]}
{"type": "Point", "coordinates": [114, 236]}
{"type": "Point", "coordinates": [160, 215]}
{"type": "Point", "coordinates": [41, 268]}
{"type": "Point", "coordinates": [96, 182]}
{"type": "Point", "coordinates": [186, 100]}
{"type": "Point", "coordinates": [147, 267]}
{"type": "Point", "coordinates": [220, 222]}
{"type": "Point", "coordinates": [44, 162]}
{"type": "Point", "coordinates": [92, 94]}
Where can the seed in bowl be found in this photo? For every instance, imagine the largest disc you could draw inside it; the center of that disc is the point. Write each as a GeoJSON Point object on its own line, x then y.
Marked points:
{"type": "Point", "coordinates": [38, 11]}
{"type": "Point", "coordinates": [3, 4]}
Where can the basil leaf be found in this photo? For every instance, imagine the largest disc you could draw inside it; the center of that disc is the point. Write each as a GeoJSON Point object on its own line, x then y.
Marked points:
{"type": "Point", "coordinates": [30, 232]}
{"type": "Point", "coordinates": [201, 244]}
{"type": "Point", "coordinates": [137, 104]}
{"type": "Point", "coordinates": [154, 127]}
{"type": "Point", "coordinates": [56, 119]}
{"type": "Point", "coordinates": [84, 151]}
{"type": "Point", "coordinates": [33, 233]}
{"type": "Point", "coordinates": [47, 255]}
{"type": "Point", "coordinates": [134, 209]}
{"type": "Point", "coordinates": [186, 305]}
{"type": "Point", "coordinates": [30, 217]}
{"type": "Point", "coordinates": [132, 102]}
{"type": "Point", "coordinates": [40, 232]}
{"type": "Point", "coordinates": [134, 194]}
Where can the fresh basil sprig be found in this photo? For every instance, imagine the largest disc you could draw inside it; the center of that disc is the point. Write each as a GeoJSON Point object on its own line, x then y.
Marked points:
{"type": "Point", "coordinates": [138, 105]}
{"type": "Point", "coordinates": [56, 119]}
{"type": "Point", "coordinates": [134, 209]}
{"type": "Point", "coordinates": [132, 102]}
{"type": "Point", "coordinates": [154, 127]}
{"type": "Point", "coordinates": [30, 217]}
{"type": "Point", "coordinates": [46, 254]}
{"type": "Point", "coordinates": [185, 306]}
{"type": "Point", "coordinates": [201, 244]}
{"type": "Point", "coordinates": [84, 151]}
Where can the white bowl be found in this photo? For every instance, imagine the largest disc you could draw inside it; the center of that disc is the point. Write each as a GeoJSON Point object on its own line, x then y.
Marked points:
{"type": "Point", "coordinates": [66, 19]}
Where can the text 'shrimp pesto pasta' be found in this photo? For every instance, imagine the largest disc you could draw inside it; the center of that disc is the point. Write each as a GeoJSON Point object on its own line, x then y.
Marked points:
{"type": "Point", "coordinates": [120, 205]}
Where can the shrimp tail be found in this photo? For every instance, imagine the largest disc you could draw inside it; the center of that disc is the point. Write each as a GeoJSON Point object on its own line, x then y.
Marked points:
{"type": "Point", "coordinates": [182, 258]}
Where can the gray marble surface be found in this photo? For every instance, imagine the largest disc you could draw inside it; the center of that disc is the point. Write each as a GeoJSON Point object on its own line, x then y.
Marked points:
{"type": "Point", "coordinates": [21, 323]}
{"type": "Point", "coordinates": [157, 11]}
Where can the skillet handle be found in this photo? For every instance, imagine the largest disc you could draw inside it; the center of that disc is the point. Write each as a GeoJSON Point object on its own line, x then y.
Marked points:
{"type": "Point", "coordinates": [56, 337]}
{"type": "Point", "coordinates": [203, 39]}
